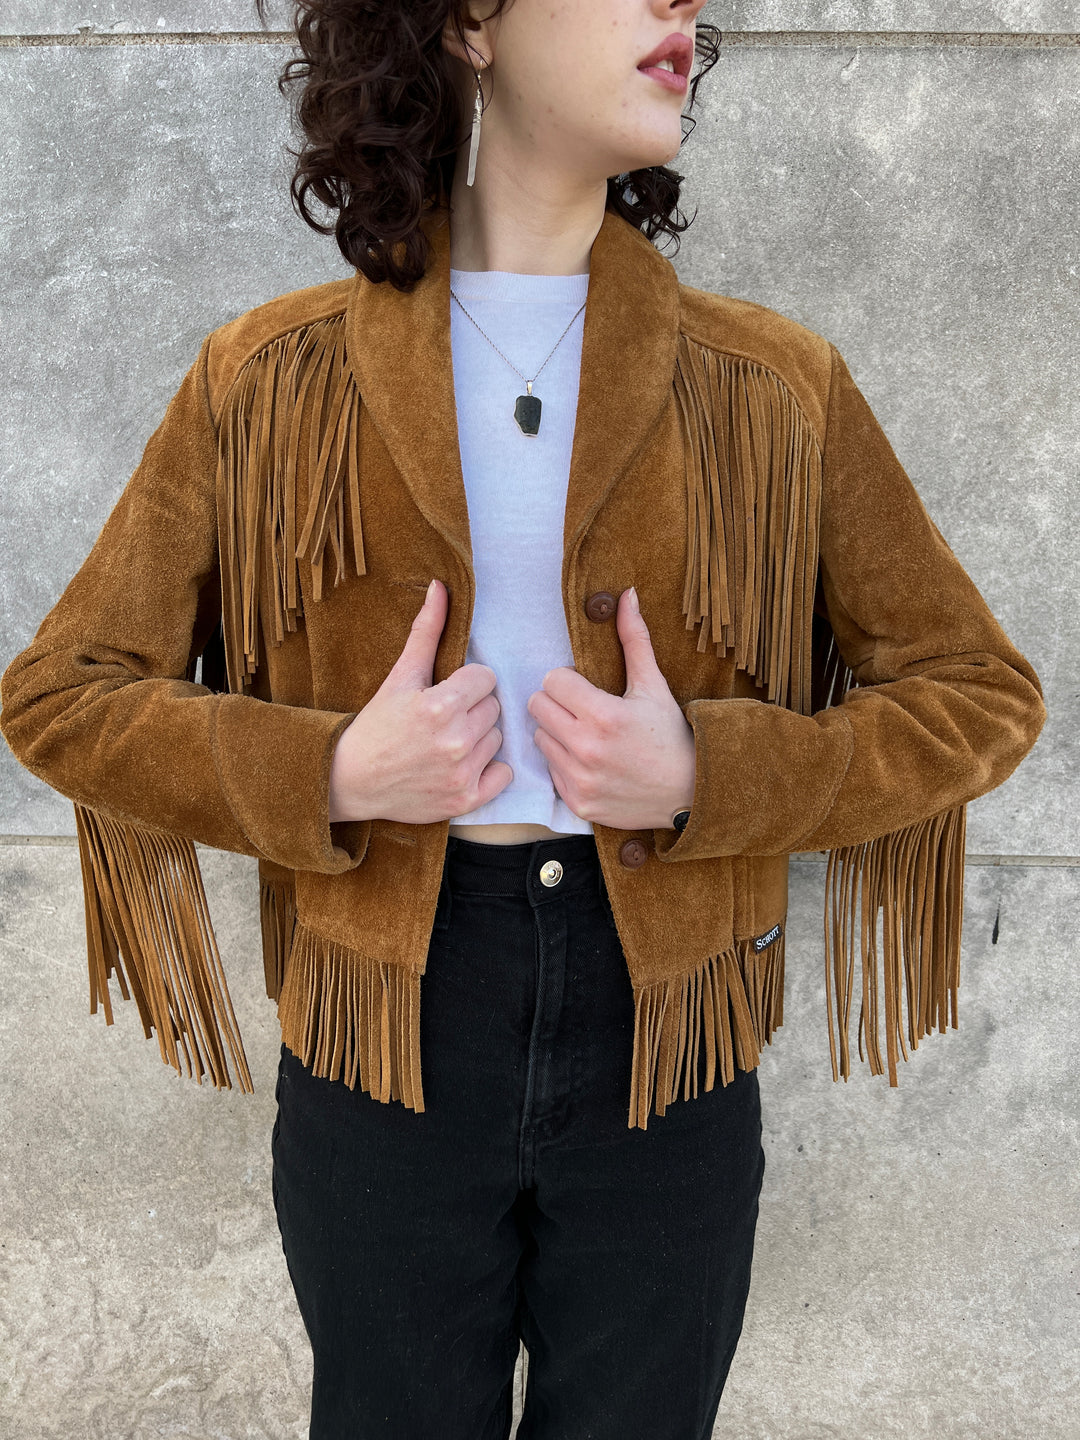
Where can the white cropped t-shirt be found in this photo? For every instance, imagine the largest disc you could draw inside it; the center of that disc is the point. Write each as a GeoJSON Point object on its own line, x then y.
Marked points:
{"type": "Point", "coordinates": [515, 485]}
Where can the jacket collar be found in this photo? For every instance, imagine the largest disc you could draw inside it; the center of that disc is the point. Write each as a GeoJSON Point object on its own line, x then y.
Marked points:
{"type": "Point", "coordinates": [399, 349]}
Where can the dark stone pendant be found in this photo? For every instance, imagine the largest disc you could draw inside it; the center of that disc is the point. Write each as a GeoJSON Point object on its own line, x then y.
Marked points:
{"type": "Point", "coordinates": [527, 414]}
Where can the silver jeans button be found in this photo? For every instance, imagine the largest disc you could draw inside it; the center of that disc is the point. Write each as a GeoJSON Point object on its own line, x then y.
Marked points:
{"type": "Point", "coordinates": [550, 873]}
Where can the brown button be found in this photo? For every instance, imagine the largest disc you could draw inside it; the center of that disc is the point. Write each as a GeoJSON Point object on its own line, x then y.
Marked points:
{"type": "Point", "coordinates": [600, 605]}
{"type": "Point", "coordinates": [633, 853]}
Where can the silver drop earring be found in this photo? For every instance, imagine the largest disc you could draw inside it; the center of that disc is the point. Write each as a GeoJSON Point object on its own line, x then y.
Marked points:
{"type": "Point", "coordinates": [474, 140]}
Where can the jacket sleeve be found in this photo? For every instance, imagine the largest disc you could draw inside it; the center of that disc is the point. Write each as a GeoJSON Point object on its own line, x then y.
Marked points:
{"type": "Point", "coordinates": [942, 709]}
{"type": "Point", "coordinates": [99, 705]}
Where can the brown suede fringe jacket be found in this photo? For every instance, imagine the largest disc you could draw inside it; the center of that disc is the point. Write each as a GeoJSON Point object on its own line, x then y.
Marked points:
{"type": "Point", "coordinates": [848, 688]}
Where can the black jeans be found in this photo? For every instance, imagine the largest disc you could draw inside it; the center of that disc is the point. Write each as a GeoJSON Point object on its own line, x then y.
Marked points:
{"type": "Point", "coordinates": [519, 1203]}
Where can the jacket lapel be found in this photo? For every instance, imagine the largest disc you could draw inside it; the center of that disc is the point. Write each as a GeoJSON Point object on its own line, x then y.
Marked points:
{"type": "Point", "coordinates": [398, 345]}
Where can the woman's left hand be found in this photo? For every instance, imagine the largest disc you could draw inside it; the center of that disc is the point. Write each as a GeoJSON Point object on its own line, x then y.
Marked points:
{"type": "Point", "coordinates": [621, 760]}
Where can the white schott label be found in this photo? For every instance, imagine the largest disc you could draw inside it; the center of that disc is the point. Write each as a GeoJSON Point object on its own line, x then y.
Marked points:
{"type": "Point", "coordinates": [763, 941]}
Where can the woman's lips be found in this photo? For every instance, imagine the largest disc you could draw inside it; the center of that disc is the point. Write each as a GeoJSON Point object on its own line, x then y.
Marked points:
{"type": "Point", "coordinates": [669, 78]}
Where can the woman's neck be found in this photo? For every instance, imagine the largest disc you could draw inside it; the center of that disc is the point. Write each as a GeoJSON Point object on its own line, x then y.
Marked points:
{"type": "Point", "coordinates": [538, 242]}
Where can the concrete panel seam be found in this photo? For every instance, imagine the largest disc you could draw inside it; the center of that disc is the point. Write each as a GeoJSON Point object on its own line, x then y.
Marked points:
{"type": "Point", "coordinates": [818, 857]}
{"type": "Point", "coordinates": [901, 39]}
{"type": "Point", "coordinates": [798, 39]}
{"type": "Point", "coordinates": [92, 38]}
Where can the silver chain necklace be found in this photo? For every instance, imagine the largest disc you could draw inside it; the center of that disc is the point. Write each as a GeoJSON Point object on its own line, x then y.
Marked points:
{"type": "Point", "coordinates": [526, 407]}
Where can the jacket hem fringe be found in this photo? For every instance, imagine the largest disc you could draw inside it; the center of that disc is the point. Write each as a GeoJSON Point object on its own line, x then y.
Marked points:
{"type": "Point", "coordinates": [147, 922]}
{"type": "Point", "coordinates": [731, 1004]}
{"type": "Point", "coordinates": [277, 922]}
{"type": "Point", "coordinates": [345, 1014]}
{"type": "Point", "coordinates": [915, 878]}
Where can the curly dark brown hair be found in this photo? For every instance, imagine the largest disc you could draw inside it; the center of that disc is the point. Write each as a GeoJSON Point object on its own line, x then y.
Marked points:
{"type": "Point", "coordinates": [382, 123]}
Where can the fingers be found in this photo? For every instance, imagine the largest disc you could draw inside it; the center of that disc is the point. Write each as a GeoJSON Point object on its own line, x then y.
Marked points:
{"type": "Point", "coordinates": [558, 777]}
{"type": "Point", "coordinates": [556, 718]}
{"type": "Point", "coordinates": [415, 665]}
{"type": "Point", "coordinates": [416, 662]}
{"type": "Point", "coordinates": [555, 752]}
{"type": "Point", "coordinates": [483, 715]}
{"type": "Point", "coordinates": [574, 693]}
{"type": "Point", "coordinates": [488, 746]}
{"type": "Point", "coordinates": [642, 672]}
{"type": "Point", "coordinates": [493, 780]}
{"type": "Point", "coordinates": [467, 685]}
{"type": "Point", "coordinates": [478, 736]}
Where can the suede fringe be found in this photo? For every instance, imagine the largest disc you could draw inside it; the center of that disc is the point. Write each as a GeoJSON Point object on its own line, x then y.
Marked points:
{"type": "Point", "coordinates": [345, 1014]}
{"type": "Point", "coordinates": [277, 917]}
{"type": "Point", "coordinates": [145, 904]}
{"type": "Point", "coordinates": [303, 374]}
{"type": "Point", "coordinates": [832, 676]}
{"type": "Point", "coordinates": [730, 1006]}
{"type": "Point", "coordinates": [915, 878]}
{"type": "Point", "coordinates": [753, 479]}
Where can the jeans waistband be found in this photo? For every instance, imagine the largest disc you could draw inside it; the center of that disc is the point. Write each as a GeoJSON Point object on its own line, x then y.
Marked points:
{"type": "Point", "coordinates": [473, 867]}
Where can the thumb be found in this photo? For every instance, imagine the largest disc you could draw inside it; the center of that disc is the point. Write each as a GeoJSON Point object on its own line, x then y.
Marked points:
{"type": "Point", "coordinates": [414, 666]}
{"type": "Point", "coordinates": [642, 671]}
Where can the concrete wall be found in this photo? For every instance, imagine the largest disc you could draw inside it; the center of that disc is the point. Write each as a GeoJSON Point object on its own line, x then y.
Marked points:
{"type": "Point", "coordinates": [905, 189]}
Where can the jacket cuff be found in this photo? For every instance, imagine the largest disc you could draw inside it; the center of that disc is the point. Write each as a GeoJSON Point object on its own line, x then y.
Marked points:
{"type": "Point", "coordinates": [765, 777]}
{"type": "Point", "coordinates": [273, 761]}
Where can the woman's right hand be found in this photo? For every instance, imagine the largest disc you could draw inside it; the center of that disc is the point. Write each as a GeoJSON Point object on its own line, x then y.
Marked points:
{"type": "Point", "coordinates": [419, 752]}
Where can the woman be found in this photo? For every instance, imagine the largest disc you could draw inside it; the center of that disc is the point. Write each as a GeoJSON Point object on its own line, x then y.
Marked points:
{"type": "Point", "coordinates": [537, 787]}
